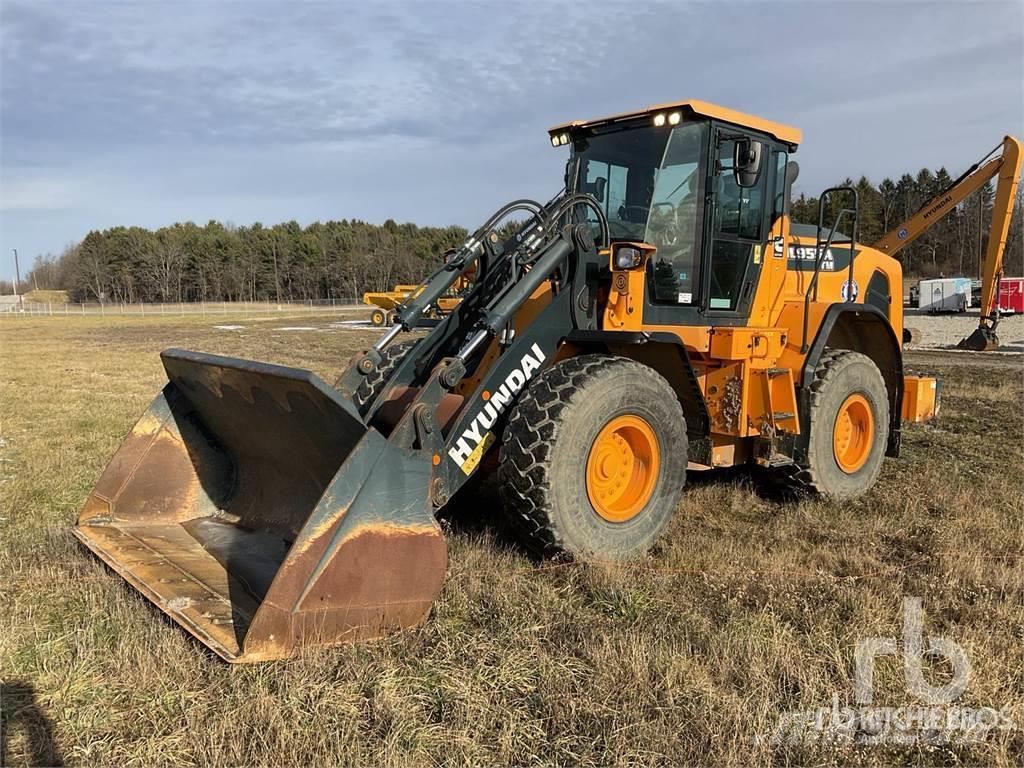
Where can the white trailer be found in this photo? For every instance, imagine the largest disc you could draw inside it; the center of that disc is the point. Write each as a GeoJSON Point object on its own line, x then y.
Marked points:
{"type": "Point", "coordinates": [944, 294]}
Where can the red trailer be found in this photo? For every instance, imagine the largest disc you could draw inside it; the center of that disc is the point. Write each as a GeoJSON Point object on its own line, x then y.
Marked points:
{"type": "Point", "coordinates": [1011, 294]}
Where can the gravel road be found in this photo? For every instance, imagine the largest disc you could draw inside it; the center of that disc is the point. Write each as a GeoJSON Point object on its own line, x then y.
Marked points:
{"type": "Point", "coordinates": [944, 331]}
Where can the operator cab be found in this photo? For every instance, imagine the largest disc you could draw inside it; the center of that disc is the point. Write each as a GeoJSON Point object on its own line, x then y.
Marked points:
{"type": "Point", "coordinates": [704, 185]}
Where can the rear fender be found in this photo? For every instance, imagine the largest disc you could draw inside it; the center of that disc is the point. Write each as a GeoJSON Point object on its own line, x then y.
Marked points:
{"type": "Point", "coordinates": [861, 328]}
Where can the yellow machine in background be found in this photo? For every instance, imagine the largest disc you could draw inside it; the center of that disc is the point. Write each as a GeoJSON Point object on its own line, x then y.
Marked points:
{"type": "Point", "coordinates": [662, 313]}
{"type": "Point", "coordinates": [386, 303]}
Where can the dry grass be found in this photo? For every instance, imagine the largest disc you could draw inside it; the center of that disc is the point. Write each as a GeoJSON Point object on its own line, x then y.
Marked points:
{"type": "Point", "coordinates": [747, 609]}
{"type": "Point", "coordinates": [45, 296]}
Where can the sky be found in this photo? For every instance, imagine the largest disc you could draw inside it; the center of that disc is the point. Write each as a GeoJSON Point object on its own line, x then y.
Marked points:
{"type": "Point", "coordinates": [146, 113]}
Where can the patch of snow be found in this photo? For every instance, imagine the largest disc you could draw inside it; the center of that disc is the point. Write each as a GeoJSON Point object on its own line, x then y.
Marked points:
{"type": "Point", "coordinates": [229, 327]}
{"type": "Point", "coordinates": [296, 328]}
{"type": "Point", "coordinates": [347, 324]}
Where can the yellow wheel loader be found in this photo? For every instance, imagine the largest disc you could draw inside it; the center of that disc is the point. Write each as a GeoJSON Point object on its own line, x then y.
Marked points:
{"type": "Point", "coordinates": [661, 314]}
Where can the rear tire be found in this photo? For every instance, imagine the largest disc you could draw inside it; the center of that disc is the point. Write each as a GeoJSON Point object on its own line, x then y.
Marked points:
{"type": "Point", "coordinates": [563, 484]}
{"type": "Point", "coordinates": [374, 382]}
{"type": "Point", "coordinates": [849, 428]}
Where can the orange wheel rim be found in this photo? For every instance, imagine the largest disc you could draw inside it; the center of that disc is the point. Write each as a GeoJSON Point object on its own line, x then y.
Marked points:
{"type": "Point", "coordinates": [622, 468]}
{"type": "Point", "coordinates": [853, 433]}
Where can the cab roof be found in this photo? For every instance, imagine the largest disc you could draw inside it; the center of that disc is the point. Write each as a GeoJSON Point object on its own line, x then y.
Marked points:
{"type": "Point", "coordinates": [784, 133]}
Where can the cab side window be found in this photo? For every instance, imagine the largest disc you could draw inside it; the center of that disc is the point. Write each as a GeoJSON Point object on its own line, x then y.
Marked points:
{"type": "Point", "coordinates": [739, 208]}
{"type": "Point", "coordinates": [607, 183]}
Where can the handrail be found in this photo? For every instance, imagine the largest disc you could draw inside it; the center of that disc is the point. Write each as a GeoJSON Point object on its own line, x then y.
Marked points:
{"type": "Point", "coordinates": [819, 253]}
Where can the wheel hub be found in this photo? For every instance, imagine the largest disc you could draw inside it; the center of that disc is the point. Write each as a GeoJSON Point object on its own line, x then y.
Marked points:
{"type": "Point", "coordinates": [853, 433]}
{"type": "Point", "coordinates": [622, 469]}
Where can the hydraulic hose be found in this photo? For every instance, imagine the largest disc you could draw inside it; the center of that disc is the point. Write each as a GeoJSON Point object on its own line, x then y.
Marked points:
{"type": "Point", "coordinates": [443, 279]}
{"type": "Point", "coordinates": [516, 205]}
{"type": "Point", "coordinates": [501, 312]}
{"type": "Point", "coordinates": [552, 256]}
{"type": "Point", "coordinates": [580, 198]}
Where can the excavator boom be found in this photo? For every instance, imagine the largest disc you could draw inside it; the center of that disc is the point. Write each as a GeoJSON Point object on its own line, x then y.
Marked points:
{"type": "Point", "coordinates": [1002, 208]}
{"type": "Point", "coordinates": [1006, 167]}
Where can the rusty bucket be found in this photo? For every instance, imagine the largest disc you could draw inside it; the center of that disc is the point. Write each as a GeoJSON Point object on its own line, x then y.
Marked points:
{"type": "Point", "coordinates": [252, 505]}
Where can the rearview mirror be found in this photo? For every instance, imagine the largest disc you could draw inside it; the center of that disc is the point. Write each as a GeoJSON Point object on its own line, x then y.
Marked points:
{"type": "Point", "coordinates": [746, 162]}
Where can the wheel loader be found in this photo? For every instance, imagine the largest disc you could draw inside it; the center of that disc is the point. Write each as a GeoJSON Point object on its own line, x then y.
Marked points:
{"type": "Point", "coordinates": [660, 315]}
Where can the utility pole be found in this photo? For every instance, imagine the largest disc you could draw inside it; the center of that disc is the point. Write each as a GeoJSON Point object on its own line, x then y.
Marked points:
{"type": "Point", "coordinates": [17, 279]}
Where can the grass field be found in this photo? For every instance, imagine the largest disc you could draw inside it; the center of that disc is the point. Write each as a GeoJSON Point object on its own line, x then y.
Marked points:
{"type": "Point", "coordinates": [748, 608]}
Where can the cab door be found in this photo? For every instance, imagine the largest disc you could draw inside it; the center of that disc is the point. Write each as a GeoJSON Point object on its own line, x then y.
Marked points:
{"type": "Point", "coordinates": [736, 223]}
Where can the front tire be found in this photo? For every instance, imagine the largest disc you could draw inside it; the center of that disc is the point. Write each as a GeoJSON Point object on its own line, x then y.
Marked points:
{"type": "Point", "coordinates": [593, 459]}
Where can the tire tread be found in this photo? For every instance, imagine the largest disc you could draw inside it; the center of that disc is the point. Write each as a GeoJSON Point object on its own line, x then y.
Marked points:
{"type": "Point", "coordinates": [374, 382]}
{"type": "Point", "coordinates": [803, 479]}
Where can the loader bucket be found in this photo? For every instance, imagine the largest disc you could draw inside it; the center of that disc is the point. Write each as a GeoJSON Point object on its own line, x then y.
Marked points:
{"type": "Point", "coordinates": [982, 340]}
{"type": "Point", "coordinates": [254, 507]}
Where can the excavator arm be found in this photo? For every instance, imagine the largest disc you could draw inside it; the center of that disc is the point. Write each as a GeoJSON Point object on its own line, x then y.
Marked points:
{"type": "Point", "coordinates": [1006, 167]}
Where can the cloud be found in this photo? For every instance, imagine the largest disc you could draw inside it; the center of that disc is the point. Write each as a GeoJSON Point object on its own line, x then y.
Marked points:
{"type": "Point", "coordinates": [146, 73]}
{"type": "Point", "coordinates": [25, 191]}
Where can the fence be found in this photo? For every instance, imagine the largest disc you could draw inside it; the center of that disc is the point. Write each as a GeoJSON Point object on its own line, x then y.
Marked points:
{"type": "Point", "coordinates": [237, 308]}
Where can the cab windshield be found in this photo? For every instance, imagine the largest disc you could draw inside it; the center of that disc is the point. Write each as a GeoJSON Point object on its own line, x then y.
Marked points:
{"type": "Point", "coordinates": [649, 181]}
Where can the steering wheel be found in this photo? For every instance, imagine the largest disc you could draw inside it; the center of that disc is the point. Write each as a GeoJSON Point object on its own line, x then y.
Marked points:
{"type": "Point", "coordinates": [626, 213]}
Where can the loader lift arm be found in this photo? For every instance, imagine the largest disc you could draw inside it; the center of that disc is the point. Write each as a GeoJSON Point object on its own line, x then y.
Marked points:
{"type": "Point", "coordinates": [1006, 167]}
{"type": "Point", "coordinates": [507, 273]}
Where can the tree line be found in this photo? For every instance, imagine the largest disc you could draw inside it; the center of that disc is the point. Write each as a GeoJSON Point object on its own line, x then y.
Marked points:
{"type": "Point", "coordinates": [342, 259]}
{"type": "Point", "coordinates": [954, 246]}
{"type": "Point", "coordinates": [221, 262]}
